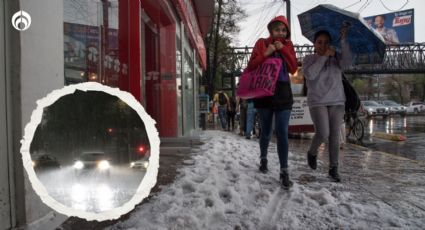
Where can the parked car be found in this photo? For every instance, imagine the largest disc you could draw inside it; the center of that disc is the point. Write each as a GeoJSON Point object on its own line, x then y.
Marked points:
{"type": "Point", "coordinates": [45, 161]}
{"type": "Point", "coordinates": [372, 109]}
{"type": "Point", "coordinates": [415, 107]}
{"type": "Point", "coordinates": [95, 162]}
{"type": "Point", "coordinates": [394, 107]}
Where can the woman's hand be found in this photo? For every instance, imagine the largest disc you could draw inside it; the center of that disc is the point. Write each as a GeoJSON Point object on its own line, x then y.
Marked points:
{"type": "Point", "coordinates": [278, 45]}
{"type": "Point", "coordinates": [330, 52]}
{"type": "Point", "coordinates": [344, 32]}
{"type": "Point", "coordinates": [270, 49]}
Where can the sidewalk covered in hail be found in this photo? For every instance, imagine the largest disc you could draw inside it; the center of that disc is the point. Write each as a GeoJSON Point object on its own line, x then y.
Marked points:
{"type": "Point", "coordinates": [220, 187]}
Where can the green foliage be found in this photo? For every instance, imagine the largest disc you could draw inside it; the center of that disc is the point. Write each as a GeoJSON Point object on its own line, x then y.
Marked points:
{"type": "Point", "coordinates": [360, 86]}
{"type": "Point", "coordinates": [226, 14]}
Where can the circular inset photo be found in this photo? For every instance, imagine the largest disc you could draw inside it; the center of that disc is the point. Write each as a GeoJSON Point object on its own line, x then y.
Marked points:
{"type": "Point", "coordinates": [91, 151]}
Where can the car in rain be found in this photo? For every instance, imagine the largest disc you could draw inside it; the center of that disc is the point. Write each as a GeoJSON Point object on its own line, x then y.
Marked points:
{"type": "Point", "coordinates": [373, 109]}
{"type": "Point", "coordinates": [45, 161]}
{"type": "Point", "coordinates": [394, 107]}
{"type": "Point", "coordinates": [142, 162]}
{"type": "Point", "coordinates": [415, 107]}
{"type": "Point", "coordinates": [92, 162]}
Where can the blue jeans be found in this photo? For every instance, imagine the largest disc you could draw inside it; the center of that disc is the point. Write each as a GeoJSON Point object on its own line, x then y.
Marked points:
{"type": "Point", "coordinates": [222, 113]}
{"type": "Point", "coordinates": [281, 126]}
{"type": "Point", "coordinates": [250, 115]}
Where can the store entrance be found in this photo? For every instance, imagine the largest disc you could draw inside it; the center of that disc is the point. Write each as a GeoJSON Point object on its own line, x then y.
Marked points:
{"type": "Point", "coordinates": [152, 80]}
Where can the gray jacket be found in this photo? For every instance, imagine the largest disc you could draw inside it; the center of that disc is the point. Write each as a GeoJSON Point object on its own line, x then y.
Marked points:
{"type": "Point", "coordinates": [323, 77]}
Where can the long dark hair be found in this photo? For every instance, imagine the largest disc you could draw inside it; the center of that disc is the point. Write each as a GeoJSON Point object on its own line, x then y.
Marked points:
{"type": "Point", "coordinates": [322, 32]}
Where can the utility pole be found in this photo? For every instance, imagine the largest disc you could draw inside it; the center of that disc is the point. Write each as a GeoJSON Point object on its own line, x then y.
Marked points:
{"type": "Point", "coordinates": [288, 11]}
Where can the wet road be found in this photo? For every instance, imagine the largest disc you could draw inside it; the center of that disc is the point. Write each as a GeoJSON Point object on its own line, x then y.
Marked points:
{"type": "Point", "coordinates": [413, 127]}
{"type": "Point", "coordinates": [91, 192]}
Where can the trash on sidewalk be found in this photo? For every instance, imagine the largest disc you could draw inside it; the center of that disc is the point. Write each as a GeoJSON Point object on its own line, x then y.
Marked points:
{"type": "Point", "coordinates": [389, 136]}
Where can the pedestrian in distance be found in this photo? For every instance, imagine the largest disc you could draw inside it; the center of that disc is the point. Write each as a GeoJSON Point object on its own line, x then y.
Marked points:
{"type": "Point", "coordinates": [214, 109]}
{"type": "Point", "coordinates": [231, 113]}
{"type": "Point", "coordinates": [221, 100]}
{"type": "Point", "coordinates": [325, 96]}
{"type": "Point", "coordinates": [278, 44]}
{"type": "Point", "coordinates": [242, 106]}
{"type": "Point", "coordinates": [250, 118]}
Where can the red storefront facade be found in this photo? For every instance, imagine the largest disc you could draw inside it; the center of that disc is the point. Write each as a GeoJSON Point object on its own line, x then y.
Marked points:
{"type": "Point", "coordinates": [153, 49]}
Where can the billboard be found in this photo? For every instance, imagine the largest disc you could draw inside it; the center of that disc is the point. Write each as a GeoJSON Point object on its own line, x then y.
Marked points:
{"type": "Point", "coordinates": [396, 27]}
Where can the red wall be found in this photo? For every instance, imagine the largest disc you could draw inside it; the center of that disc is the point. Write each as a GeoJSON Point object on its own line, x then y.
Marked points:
{"type": "Point", "coordinates": [161, 97]}
{"type": "Point", "coordinates": [129, 46]}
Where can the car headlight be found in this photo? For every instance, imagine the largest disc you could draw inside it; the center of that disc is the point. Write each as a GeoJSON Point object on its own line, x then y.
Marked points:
{"type": "Point", "coordinates": [386, 109]}
{"type": "Point", "coordinates": [145, 164]}
{"type": "Point", "coordinates": [103, 165]}
{"type": "Point", "coordinates": [131, 164]}
{"type": "Point", "coordinates": [78, 165]}
{"type": "Point", "coordinates": [33, 163]}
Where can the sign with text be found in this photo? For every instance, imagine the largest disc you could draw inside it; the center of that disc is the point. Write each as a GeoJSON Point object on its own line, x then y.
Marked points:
{"type": "Point", "coordinates": [300, 121]}
{"type": "Point", "coordinates": [261, 81]}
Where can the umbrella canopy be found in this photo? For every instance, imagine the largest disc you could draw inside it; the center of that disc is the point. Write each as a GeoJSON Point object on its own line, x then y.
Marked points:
{"type": "Point", "coordinates": [367, 46]}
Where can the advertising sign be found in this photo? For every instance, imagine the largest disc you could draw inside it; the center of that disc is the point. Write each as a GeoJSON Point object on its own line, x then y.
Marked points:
{"type": "Point", "coordinates": [300, 121]}
{"type": "Point", "coordinates": [397, 27]}
{"type": "Point", "coordinates": [85, 60]}
{"type": "Point", "coordinates": [204, 106]}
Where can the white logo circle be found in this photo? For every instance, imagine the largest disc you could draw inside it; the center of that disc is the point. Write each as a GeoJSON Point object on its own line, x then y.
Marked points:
{"type": "Point", "coordinates": [21, 20]}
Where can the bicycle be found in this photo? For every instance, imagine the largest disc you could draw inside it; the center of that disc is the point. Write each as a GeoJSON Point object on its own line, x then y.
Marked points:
{"type": "Point", "coordinates": [355, 126]}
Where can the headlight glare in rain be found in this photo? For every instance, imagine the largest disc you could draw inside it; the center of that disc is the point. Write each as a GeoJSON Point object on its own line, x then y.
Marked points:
{"type": "Point", "coordinates": [131, 164]}
{"type": "Point", "coordinates": [78, 165]}
{"type": "Point", "coordinates": [103, 165]}
{"type": "Point", "coordinates": [145, 164]}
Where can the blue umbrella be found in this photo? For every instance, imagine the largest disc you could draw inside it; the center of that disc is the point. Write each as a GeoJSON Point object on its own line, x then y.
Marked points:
{"type": "Point", "coordinates": [367, 46]}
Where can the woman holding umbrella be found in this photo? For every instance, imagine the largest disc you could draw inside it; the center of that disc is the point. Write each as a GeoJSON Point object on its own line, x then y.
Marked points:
{"type": "Point", "coordinates": [325, 95]}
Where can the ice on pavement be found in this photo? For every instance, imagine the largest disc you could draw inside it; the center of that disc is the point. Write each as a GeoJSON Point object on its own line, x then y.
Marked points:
{"type": "Point", "coordinates": [223, 189]}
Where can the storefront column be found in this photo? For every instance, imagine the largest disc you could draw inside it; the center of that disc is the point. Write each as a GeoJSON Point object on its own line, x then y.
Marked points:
{"type": "Point", "coordinates": [183, 82]}
{"type": "Point", "coordinates": [12, 188]}
{"type": "Point", "coordinates": [195, 91]}
{"type": "Point", "coordinates": [129, 34]}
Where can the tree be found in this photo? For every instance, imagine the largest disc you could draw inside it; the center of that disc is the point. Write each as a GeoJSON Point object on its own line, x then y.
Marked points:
{"type": "Point", "coordinates": [418, 87]}
{"type": "Point", "coordinates": [360, 86]}
{"type": "Point", "coordinates": [397, 88]}
{"type": "Point", "coordinates": [227, 14]}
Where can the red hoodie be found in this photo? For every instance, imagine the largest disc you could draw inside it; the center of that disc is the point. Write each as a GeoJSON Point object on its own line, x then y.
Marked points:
{"type": "Point", "coordinates": [288, 52]}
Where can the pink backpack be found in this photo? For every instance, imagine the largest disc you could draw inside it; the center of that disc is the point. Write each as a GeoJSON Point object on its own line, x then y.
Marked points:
{"type": "Point", "coordinates": [260, 82]}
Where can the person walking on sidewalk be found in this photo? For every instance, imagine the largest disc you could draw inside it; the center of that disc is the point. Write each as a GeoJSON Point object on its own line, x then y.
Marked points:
{"type": "Point", "coordinates": [325, 96]}
{"type": "Point", "coordinates": [231, 113]}
{"type": "Point", "coordinates": [278, 44]}
{"type": "Point", "coordinates": [250, 116]}
{"type": "Point", "coordinates": [242, 105]}
{"type": "Point", "coordinates": [222, 101]}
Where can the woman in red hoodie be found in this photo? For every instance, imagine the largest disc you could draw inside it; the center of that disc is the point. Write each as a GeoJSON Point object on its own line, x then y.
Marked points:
{"type": "Point", "coordinates": [280, 104]}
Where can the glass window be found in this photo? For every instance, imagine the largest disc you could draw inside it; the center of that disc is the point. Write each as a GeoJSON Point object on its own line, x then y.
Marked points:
{"type": "Point", "coordinates": [93, 48]}
{"type": "Point", "coordinates": [189, 90]}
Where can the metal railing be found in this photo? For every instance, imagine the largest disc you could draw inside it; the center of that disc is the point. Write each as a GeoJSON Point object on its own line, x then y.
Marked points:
{"type": "Point", "coordinates": [402, 58]}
